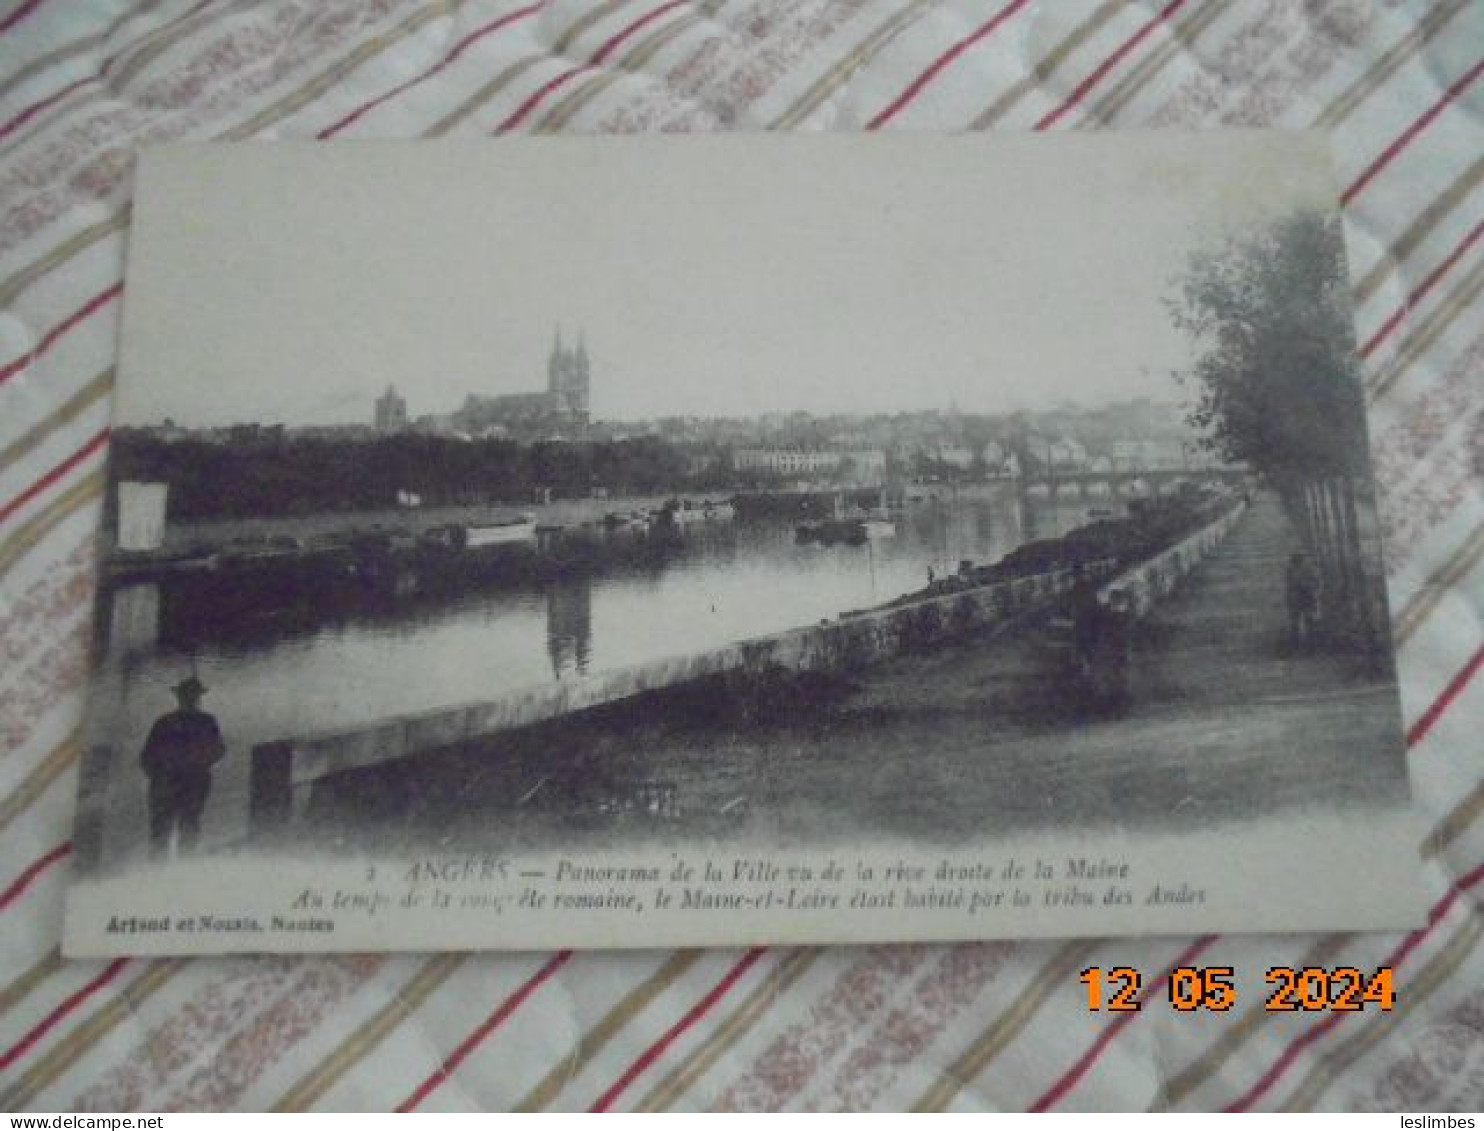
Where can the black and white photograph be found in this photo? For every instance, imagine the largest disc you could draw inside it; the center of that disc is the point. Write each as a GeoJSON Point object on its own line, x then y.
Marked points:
{"type": "Point", "coordinates": [673, 541]}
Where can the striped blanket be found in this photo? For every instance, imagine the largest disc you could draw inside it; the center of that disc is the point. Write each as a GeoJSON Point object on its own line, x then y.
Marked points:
{"type": "Point", "coordinates": [987, 1026]}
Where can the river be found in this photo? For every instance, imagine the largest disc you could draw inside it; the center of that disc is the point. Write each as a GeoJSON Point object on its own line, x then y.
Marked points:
{"type": "Point", "coordinates": [284, 661]}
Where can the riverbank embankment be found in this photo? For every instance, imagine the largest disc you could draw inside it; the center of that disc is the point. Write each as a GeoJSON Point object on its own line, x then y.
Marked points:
{"type": "Point", "coordinates": [974, 736]}
{"type": "Point", "coordinates": [854, 641]}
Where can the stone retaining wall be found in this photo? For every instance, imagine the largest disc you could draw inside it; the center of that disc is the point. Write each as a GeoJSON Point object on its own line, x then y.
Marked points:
{"type": "Point", "coordinates": [283, 771]}
{"type": "Point", "coordinates": [1147, 583]}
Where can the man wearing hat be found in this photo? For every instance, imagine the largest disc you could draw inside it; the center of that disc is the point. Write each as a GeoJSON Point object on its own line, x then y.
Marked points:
{"type": "Point", "coordinates": [177, 758]}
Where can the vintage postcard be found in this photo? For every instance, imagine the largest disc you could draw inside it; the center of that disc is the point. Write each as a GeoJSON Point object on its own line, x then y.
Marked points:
{"type": "Point", "coordinates": [660, 541]}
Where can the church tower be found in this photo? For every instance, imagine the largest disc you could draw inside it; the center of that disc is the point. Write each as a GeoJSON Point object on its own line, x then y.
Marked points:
{"type": "Point", "coordinates": [554, 364]}
{"type": "Point", "coordinates": [569, 378]}
{"type": "Point", "coordinates": [581, 384]}
{"type": "Point", "coordinates": [391, 411]}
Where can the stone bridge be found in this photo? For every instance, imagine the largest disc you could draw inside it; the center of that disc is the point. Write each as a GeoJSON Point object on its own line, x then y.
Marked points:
{"type": "Point", "coordinates": [1124, 483]}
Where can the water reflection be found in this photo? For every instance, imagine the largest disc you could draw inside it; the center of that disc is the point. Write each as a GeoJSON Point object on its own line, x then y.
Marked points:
{"type": "Point", "coordinates": [134, 621]}
{"type": "Point", "coordinates": [569, 626]}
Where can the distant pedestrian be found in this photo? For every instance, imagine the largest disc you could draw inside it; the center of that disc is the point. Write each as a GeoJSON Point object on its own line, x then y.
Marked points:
{"type": "Point", "coordinates": [1301, 590]}
{"type": "Point", "coordinates": [1087, 619]}
{"type": "Point", "coordinates": [1101, 644]}
{"type": "Point", "coordinates": [1113, 654]}
{"type": "Point", "coordinates": [178, 755]}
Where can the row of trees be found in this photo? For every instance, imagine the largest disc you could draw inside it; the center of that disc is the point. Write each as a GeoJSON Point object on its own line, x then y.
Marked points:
{"type": "Point", "coordinates": [294, 476]}
{"type": "Point", "coordinates": [270, 473]}
{"type": "Point", "coordinates": [1278, 388]}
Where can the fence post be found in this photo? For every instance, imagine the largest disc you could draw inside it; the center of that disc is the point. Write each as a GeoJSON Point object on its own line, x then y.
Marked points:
{"type": "Point", "coordinates": [271, 788]}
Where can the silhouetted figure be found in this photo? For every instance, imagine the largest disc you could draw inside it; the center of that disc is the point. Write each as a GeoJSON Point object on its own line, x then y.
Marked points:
{"type": "Point", "coordinates": [177, 758]}
{"type": "Point", "coordinates": [1087, 615]}
{"type": "Point", "coordinates": [1301, 586]}
{"type": "Point", "coordinates": [1113, 653]}
{"type": "Point", "coordinates": [1101, 644]}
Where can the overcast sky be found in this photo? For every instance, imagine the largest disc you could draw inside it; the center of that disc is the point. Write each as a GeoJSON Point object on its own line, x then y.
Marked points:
{"type": "Point", "coordinates": [710, 275]}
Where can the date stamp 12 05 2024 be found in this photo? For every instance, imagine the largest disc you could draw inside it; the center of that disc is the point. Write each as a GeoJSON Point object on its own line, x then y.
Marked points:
{"type": "Point", "coordinates": [1289, 989]}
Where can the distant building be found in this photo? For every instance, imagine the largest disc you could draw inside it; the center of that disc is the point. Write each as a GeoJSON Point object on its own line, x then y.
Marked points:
{"type": "Point", "coordinates": [563, 409]}
{"type": "Point", "coordinates": [1149, 455]}
{"type": "Point", "coordinates": [955, 456]}
{"type": "Point", "coordinates": [778, 461]}
{"type": "Point", "coordinates": [862, 465]}
{"type": "Point", "coordinates": [569, 379]}
{"type": "Point", "coordinates": [247, 435]}
{"type": "Point", "coordinates": [391, 411]}
{"type": "Point", "coordinates": [1067, 453]}
{"type": "Point", "coordinates": [335, 432]}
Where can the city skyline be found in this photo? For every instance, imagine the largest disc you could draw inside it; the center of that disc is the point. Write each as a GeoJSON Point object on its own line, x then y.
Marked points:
{"type": "Point", "coordinates": [358, 408]}
{"type": "Point", "coordinates": [795, 286]}
{"type": "Point", "coordinates": [1066, 415]}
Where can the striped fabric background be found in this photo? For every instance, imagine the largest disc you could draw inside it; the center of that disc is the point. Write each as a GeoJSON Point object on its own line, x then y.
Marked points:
{"type": "Point", "coordinates": [997, 1025]}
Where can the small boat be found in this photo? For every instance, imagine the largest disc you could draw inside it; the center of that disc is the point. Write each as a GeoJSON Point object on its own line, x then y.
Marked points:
{"type": "Point", "coordinates": [615, 520]}
{"type": "Point", "coordinates": [522, 529]}
{"type": "Point", "coordinates": [448, 537]}
{"type": "Point", "coordinates": [247, 553]}
{"type": "Point", "coordinates": [681, 512]}
{"type": "Point", "coordinates": [851, 531]}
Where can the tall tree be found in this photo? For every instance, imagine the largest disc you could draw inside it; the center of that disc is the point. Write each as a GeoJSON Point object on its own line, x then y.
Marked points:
{"type": "Point", "coordinates": [1277, 382]}
{"type": "Point", "coordinates": [1278, 388]}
